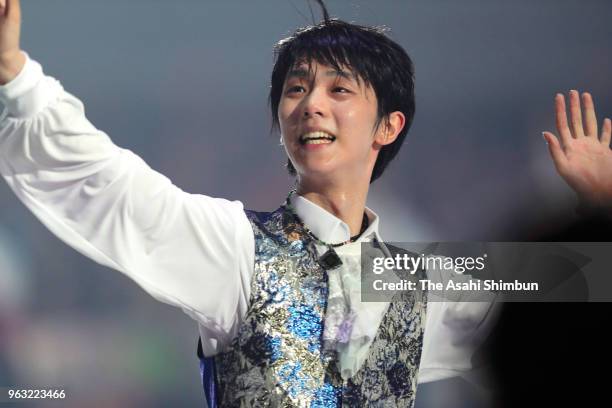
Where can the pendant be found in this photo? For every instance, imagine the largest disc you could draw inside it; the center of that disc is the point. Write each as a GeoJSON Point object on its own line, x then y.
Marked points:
{"type": "Point", "coordinates": [330, 260]}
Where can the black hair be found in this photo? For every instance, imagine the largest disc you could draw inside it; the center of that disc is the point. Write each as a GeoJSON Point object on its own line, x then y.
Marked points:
{"type": "Point", "coordinates": [376, 60]}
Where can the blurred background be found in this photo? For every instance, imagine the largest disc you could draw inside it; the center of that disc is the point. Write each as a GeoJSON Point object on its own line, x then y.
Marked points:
{"type": "Point", "coordinates": [184, 84]}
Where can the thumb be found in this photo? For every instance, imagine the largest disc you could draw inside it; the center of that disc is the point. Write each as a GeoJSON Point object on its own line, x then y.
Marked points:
{"type": "Point", "coordinates": [556, 152]}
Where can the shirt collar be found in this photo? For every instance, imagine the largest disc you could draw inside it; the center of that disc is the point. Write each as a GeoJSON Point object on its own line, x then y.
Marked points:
{"type": "Point", "coordinates": [326, 226]}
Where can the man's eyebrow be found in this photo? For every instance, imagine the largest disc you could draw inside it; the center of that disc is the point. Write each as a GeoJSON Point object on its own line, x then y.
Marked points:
{"type": "Point", "coordinates": [341, 73]}
{"type": "Point", "coordinates": [299, 73]}
{"type": "Point", "coordinates": [304, 73]}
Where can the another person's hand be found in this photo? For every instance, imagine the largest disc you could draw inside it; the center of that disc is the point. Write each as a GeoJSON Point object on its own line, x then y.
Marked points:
{"type": "Point", "coordinates": [581, 157]}
{"type": "Point", "coordinates": [11, 57]}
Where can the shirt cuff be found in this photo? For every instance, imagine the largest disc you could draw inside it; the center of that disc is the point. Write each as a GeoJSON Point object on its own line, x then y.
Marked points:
{"type": "Point", "coordinates": [26, 94]}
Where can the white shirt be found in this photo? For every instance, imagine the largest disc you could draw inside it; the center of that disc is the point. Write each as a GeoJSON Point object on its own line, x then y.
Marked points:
{"type": "Point", "coordinates": [187, 250]}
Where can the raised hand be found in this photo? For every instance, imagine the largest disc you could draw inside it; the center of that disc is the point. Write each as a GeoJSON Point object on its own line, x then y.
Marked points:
{"type": "Point", "coordinates": [581, 157]}
{"type": "Point", "coordinates": [11, 57]}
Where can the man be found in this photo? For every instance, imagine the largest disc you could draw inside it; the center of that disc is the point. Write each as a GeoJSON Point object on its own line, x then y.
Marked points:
{"type": "Point", "coordinates": [281, 275]}
{"type": "Point", "coordinates": [340, 124]}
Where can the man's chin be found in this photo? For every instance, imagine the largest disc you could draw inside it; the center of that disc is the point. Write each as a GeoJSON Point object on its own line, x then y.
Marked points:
{"type": "Point", "coordinates": [314, 173]}
{"type": "Point", "coordinates": [325, 174]}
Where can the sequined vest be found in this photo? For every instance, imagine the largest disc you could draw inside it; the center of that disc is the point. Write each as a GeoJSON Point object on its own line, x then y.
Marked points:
{"type": "Point", "coordinates": [277, 358]}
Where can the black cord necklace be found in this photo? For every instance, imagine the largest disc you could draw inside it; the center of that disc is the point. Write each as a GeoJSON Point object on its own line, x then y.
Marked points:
{"type": "Point", "coordinates": [330, 259]}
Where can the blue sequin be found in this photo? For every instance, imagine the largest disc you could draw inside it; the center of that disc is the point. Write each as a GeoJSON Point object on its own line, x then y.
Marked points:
{"type": "Point", "coordinates": [296, 248]}
{"type": "Point", "coordinates": [325, 397]}
{"type": "Point", "coordinates": [277, 291]}
{"type": "Point", "coordinates": [275, 345]}
{"type": "Point", "coordinates": [304, 323]}
{"type": "Point", "coordinates": [314, 347]}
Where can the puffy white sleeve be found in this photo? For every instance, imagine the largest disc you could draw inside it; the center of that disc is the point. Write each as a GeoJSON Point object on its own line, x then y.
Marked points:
{"type": "Point", "coordinates": [188, 250]}
{"type": "Point", "coordinates": [457, 325]}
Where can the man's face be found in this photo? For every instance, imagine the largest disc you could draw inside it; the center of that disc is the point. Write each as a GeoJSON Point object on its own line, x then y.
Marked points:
{"type": "Point", "coordinates": [327, 121]}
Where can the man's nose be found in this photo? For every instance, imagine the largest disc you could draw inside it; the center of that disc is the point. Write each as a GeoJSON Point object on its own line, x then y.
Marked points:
{"type": "Point", "coordinates": [314, 104]}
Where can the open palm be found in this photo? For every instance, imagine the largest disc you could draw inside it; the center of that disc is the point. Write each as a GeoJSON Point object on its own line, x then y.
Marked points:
{"type": "Point", "coordinates": [581, 157]}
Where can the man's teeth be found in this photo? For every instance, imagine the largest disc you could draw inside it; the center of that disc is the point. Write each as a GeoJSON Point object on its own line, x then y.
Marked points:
{"type": "Point", "coordinates": [317, 141]}
{"type": "Point", "coordinates": [317, 138]}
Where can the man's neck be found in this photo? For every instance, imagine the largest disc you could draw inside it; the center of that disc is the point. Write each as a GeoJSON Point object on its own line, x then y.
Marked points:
{"type": "Point", "coordinates": [345, 202]}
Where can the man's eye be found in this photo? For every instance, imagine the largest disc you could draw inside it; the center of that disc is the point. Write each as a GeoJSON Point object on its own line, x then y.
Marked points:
{"type": "Point", "coordinates": [296, 89]}
{"type": "Point", "coordinates": [340, 89]}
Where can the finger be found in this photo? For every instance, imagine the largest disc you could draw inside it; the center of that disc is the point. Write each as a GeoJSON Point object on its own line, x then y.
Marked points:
{"type": "Point", "coordinates": [13, 9]}
{"type": "Point", "coordinates": [590, 119]}
{"type": "Point", "coordinates": [606, 132]}
{"type": "Point", "coordinates": [575, 115]}
{"type": "Point", "coordinates": [561, 116]}
{"type": "Point", "coordinates": [556, 152]}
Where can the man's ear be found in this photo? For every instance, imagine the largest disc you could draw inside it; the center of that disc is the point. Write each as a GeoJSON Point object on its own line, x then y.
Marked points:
{"type": "Point", "coordinates": [390, 128]}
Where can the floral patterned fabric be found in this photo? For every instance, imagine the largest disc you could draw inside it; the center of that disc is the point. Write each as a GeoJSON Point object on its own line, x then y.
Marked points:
{"type": "Point", "coordinates": [277, 358]}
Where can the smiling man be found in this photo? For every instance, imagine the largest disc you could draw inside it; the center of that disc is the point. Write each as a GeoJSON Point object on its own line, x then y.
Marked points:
{"type": "Point", "coordinates": [330, 126]}
{"type": "Point", "coordinates": [276, 295]}
{"type": "Point", "coordinates": [343, 96]}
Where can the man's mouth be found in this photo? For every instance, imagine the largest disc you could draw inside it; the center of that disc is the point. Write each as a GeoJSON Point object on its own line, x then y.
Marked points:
{"type": "Point", "coordinates": [318, 137]}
